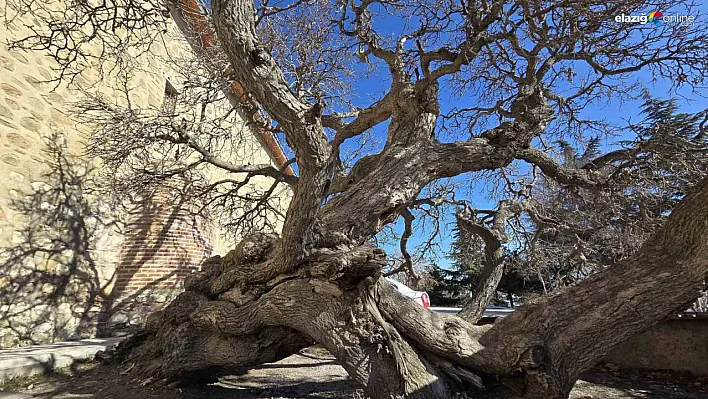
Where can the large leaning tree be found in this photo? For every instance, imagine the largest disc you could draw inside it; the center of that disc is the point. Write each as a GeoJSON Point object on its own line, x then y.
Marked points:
{"type": "Point", "coordinates": [521, 71]}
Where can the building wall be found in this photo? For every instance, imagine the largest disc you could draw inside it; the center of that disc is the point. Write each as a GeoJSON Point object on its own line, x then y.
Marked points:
{"type": "Point", "coordinates": [164, 242]}
{"type": "Point", "coordinates": [70, 257]}
{"type": "Point", "coordinates": [674, 344]}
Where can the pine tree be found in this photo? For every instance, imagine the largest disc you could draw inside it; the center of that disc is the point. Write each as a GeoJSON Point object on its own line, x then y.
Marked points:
{"type": "Point", "coordinates": [454, 285]}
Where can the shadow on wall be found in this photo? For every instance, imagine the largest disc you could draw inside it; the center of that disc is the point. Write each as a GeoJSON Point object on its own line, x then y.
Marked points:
{"type": "Point", "coordinates": [63, 275]}
{"type": "Point", "coordinates": [166, 239]}
{"type": "Point", "coordinates": [51, 286]}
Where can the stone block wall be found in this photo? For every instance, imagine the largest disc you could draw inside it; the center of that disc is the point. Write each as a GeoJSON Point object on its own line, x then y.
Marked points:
{"type": "Point", "coordinates": [677, 344]}
{"type": "Point", "coordinates": [71, 260]}
{"type": "Point", "coordinates": [53, 244]}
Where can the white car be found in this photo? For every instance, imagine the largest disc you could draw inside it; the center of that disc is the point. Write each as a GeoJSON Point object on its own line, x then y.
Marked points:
{"type": "Point", "coordinates": [419, 296]}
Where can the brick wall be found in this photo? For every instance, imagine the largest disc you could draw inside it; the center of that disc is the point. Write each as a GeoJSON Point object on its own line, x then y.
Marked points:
{"type": "Point", "coordinates": [165, 241]}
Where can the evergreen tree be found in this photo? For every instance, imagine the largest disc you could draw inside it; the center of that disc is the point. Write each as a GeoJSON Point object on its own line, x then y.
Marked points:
{"type": "Point", "coordinates": [454, 285]}
{"type": "Point", "coordinates": [649, 175]}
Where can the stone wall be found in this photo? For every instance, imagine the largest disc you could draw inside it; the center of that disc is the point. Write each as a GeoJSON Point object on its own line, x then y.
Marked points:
{"type": "Point", "coordinates": [70, 257]}
{"type": "Point", "coordinates": [677, 344]}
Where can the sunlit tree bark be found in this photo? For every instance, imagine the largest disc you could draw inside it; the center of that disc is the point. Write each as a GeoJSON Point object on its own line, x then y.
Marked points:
{"type": "Point", "coordinates": [320, 279]}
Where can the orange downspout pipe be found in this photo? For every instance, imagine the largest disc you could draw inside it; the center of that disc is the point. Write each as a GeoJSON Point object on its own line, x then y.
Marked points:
{"type": "Point", "coordinates": [206, 37]}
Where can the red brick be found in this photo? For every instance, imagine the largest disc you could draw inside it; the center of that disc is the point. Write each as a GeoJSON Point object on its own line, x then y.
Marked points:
{"type": "Point", "coordinates": [162, 247]}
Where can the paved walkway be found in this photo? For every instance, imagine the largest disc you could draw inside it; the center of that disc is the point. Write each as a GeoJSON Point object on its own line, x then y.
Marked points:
{"type": "Point", "coordinates": [22, 362]}
{"type": "Point", "coordinates": [490, 311]}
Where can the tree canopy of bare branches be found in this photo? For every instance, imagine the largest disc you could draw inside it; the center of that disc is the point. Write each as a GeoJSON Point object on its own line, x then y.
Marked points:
{"type": "Point", "coordinates": [523, 72]}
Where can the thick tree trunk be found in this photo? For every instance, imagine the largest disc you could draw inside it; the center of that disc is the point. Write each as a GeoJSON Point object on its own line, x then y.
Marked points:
{"type": "Point", "coordinates": [320, 282]}
{"type": "Point", "coordinates": [558, 337]}
{"type": "Point", "coordinates": [224, 323]}
{"type": "Point", "coordinates": [396, 348]}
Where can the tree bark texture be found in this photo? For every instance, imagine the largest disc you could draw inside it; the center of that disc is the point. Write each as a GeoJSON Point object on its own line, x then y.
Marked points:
{"type": "Point", "coordinates": [320, 281]}
{"type": "Point", "coordinates": [226, 320]}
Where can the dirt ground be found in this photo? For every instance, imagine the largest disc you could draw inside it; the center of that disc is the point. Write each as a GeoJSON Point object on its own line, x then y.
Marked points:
{"type": "Point", "coordinates": [314, 374]}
